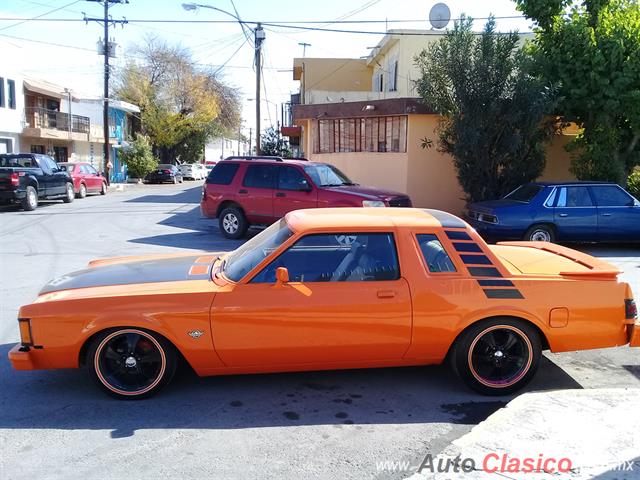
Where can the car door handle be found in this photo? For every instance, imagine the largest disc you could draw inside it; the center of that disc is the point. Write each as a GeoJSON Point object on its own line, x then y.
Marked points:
{"type": "Point", "coordinates": [386, 294]}
{"type": "Point", "coordinates": [606, 214]}
{"type": "Point", "coordinates": [563, 214]}
{"type": "Point", "coordinates": [242, 190]}
{"type": "Point", "coordinates": [280, 194]}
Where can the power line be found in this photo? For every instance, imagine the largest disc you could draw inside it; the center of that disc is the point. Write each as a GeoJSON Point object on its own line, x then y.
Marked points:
{"type": "Point", "coordinates": [25, 20]}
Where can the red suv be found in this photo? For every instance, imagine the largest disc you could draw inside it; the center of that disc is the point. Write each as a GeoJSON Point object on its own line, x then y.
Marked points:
{"type": "Point", "coordinates": [245, 191]}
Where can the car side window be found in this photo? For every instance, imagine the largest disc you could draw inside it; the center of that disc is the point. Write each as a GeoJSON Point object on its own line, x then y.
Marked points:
{"type": "Point", "coordinates": [290, 178]}
{"type": "Point", "coordinates": [346, 257]}
{"type": "Point", "coordinates": [611, 196]}
{"type": "Point", "coordinates": [435, 256]}
{"type": "Point", "coordinates": [260, 176]}
{"type": "Point", "coordinates": [91, 170]}
{"type": "Point", "coordinates": [44, 165]}
{"type": "Point", "coordinates": [223, 173]}
{"type": "Point", "coordinates": [577, 196]}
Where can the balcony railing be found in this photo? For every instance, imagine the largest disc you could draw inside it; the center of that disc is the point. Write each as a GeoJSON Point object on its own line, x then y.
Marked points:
{"type": "Point", "coordinates": [38, 117]}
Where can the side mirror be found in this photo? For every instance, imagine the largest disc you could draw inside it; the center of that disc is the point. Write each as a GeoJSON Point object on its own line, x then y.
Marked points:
{"type": "Point", "coordinates": [304, 186]}
{"type": "Point", "coordinates": [282, 275]}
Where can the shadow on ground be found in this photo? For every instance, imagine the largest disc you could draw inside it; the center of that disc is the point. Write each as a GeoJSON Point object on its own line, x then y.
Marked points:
{"type": "Point", "coordinates": [67, 399]}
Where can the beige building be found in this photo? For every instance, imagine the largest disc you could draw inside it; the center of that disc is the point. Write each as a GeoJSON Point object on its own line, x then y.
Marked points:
{"type": "Point", "coordinates": [364, 116]}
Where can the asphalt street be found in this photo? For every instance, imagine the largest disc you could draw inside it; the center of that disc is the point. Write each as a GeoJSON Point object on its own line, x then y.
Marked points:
{"type": "Point", "coordinates": [337, 425]}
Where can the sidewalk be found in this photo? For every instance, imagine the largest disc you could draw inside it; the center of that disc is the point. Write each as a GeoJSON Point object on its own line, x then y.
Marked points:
{"type": "Point", "coordinates": [592, 433]}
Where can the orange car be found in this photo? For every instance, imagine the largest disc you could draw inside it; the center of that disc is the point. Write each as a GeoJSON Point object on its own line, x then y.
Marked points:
{"type": "Point", "coordinates": [331, 289]}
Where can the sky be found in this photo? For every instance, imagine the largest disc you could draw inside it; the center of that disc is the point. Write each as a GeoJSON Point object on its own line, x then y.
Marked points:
{"type": "Point", "coordinates": [65, 52]}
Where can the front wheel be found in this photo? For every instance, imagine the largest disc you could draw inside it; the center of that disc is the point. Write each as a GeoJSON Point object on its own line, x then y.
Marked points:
{"type": "Point", "coordinates": [103, 190]}
{"type": "Point", "coordinates": [69, 195]}
{"type": "Point", "coordinates": [540, 233]}
{"type": "Point", "coordinates": [497, 356]}
{"type": "Point", "coordinates": [131, 363]}
{"type": "Point", "coordinates": [233, 223]}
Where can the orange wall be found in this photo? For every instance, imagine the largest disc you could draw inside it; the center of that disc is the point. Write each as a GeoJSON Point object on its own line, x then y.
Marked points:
{"type": "Point", "coordinates": [427, 175]}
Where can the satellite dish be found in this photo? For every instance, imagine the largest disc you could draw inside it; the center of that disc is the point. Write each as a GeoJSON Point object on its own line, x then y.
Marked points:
{"type": "Point", "coordinates": [439, 15]}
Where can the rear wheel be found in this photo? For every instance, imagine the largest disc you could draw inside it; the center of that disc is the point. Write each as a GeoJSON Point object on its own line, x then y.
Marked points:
{"type": "Point", "coordinates": [540, 233]}
{"type": "Point", "coordinates": [30, 200]}
{"type": "Point", "coordinates": [131, 363]}
{"type": "Point", "coordinates": [70, 194]}
{"type": "Point", "coordinates": [103, 190]}
{"type": "Point", "coordinates": [497, 356]}
{"type": "Point", "coordinates": [82, 191]}
{"type": "Point", "coordinates": [233, 223]}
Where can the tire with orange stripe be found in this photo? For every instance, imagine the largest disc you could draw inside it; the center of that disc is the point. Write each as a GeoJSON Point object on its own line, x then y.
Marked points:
{"type": "Point", "coordinates": [497, 356]}
{"type": "Point", "coordinates": [131, 363]}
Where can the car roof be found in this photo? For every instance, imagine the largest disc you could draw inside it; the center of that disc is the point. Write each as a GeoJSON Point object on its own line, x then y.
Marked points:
{"type": "Point", "coordinates": [352, 219]}
{"type": "Point", "coordinates": [573, 182]}
{"type": "Point", "coordinates": [268, 160]}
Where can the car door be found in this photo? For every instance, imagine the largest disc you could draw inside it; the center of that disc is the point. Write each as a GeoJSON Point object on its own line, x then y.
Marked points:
{"type": "Point", "coordinates": [256, 192]}
{"type": "Point", "coordinates": [293, 191]}
{"type": "Point", "coordinates": [346, 302]}
{"type": "Point", "coordinates": [618, 214]}
{"type": "Point", "coordinates": [94, 180]}
{"type": "Point", "coordinates": [47, 182]}
{"type": "Point", "coordinates": [60, 177]}
{"type": "Point", "coordinates": [575, 214]}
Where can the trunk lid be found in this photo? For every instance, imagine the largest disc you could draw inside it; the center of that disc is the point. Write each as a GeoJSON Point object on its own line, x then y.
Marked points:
{"type": "Point", "coordinates": [543, 258]}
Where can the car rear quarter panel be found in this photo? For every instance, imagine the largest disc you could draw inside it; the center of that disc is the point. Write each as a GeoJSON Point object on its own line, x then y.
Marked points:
{"type": "Point", "coordinates": [171, 309]}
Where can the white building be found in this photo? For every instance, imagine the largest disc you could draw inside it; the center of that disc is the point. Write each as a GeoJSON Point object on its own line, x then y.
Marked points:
{"type": "Point", "coordinates": [219, 148]}
{"type": "Point", "coordinates": [11, 111]}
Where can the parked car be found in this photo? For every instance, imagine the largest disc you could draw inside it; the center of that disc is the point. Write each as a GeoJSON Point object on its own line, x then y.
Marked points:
{"type": "Point", "coordinates": [325, 289]}
{"type": "Point", "coordinates": [26, 178]}
{"type": "Point", "coordinates": [193, 171]}
{"type": "Point", "coordinates": [86, 179]}
{"type": "Point", "coordinates": [560, 212]}
{"type": "Point", "coordinates": [165, 173]}
{"type": "Point", "coordinates": [245, 191]}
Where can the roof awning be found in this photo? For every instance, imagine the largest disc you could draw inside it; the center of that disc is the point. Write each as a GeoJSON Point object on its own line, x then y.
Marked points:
{"type": "Point", "coordinates": [45, 88]}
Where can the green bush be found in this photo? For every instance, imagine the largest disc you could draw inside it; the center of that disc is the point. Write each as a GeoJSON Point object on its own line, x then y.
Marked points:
{"type": "Point", "coordinates": [139, 157]}
{"type": "Point", "coordinates": [633, 183]}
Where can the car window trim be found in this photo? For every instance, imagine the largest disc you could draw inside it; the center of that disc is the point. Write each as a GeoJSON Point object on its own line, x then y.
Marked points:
{"type": "Point", "coordinates": [296, 237]}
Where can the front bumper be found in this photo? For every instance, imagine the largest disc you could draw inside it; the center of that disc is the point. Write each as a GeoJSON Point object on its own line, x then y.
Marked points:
{"type": "Point", "coordinates": [634, 336]}
{"type": "Point", "coordinates": [22, 360]}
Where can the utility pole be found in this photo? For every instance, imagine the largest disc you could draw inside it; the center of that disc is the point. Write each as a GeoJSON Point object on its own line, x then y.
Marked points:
{"type": "Point", "coordinates": [304, 48]}
{"type": "Point", "coordinates": [107, 53]}
{"type": "Point", "coordinates": [259, 37]}
{"type": "Point", "coordinates": [250, 135]}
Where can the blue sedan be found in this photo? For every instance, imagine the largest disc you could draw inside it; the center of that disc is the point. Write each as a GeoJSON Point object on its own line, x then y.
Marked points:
{"type": "Point", "coordinates": [563, 212]}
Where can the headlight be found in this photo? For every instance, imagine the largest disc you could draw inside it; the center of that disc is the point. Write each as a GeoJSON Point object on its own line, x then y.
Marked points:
{"type": "Point", "coordinates": [373, 203]}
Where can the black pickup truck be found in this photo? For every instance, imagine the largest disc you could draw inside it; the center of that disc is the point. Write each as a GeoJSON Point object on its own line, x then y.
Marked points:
{"type": "Point", "coordinates": [26, 178]}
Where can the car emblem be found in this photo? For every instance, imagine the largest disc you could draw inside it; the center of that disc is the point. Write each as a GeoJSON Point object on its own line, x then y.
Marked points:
{"type": "Point", "coordinates": [196, 333]}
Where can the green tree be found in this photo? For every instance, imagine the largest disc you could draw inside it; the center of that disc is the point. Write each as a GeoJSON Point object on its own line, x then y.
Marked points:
{"type": "Point", "coordinates": [139, 157]}
{"type": "Point", "coordinates": [493, 113]}
{"type": "Point", "coordinates": [181, 103]}
{"type": "Point", "coordinates": [591, 52]}
{"type": "Point", "coordinates": [272, 143]}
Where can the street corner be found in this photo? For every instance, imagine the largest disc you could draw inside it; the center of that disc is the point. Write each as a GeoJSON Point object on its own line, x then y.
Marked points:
{"type": "Point", "coordinates": [575, 434]}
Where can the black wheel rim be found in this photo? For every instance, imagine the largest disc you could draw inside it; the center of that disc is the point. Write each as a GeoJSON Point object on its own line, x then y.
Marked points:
{"type": "Point", "coordinates": [500, 356]}
{"type": "Point", "coordinates": [130, 362]}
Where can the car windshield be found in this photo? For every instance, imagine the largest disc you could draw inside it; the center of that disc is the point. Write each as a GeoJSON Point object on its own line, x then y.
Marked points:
{"type": "Point", "coordinates": [524, 193]}
{"type": "Point", "coordinates": [327, 176]}
{"type": "Point", "coordinates": [242, 260]}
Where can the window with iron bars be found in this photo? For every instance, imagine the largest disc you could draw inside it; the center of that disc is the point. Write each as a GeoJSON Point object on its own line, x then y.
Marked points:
{"type": "Point", "coordinates": [371, 134]}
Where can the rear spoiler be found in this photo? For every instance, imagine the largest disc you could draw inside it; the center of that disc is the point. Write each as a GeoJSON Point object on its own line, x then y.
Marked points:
{"type": "Point", "coordinates": [596, 268]}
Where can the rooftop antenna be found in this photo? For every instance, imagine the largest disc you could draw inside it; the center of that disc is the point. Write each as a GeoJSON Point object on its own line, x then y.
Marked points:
{"type": "Point", "coordinates": [439, 16]}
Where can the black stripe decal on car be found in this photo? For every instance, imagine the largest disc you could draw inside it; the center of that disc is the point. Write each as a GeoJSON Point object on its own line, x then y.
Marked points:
{"type": "Point", "coordinates": [475, 260]}
{"type": "Point", "coordinates": [502, 293]}
{"type": "Point", "coordinates": [454, 235]}
{"type": "Point", "coordinates": [495, 283]}
{"type": "Point", "coordinates": [467, 247]}
{"type": "Point", "coordinates": [484, 272]}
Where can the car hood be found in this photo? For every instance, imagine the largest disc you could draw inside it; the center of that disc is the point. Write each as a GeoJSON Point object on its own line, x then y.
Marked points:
{"type": "Point", "coordinates": [370, 193]}
{"type": "Point", "coordinates": [137, 270]}
{"type": "Point", "coordinates": [491, 205]}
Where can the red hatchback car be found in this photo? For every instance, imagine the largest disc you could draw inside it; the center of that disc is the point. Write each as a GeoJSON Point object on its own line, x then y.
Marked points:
{"type": "Point", "coordinates": [86, 179]}
{"type": "Point", "coordinates": [245, 191]}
